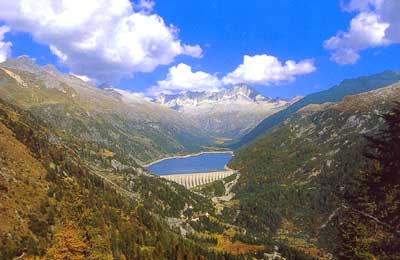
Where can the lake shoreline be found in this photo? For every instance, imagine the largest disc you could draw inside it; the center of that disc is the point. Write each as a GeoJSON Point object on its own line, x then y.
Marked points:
{"type": "Point", "coordinates": [184, 156]}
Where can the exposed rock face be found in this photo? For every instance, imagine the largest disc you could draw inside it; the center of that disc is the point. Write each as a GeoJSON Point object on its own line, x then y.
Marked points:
{"type": "Point", "coordinates": [228, 113]}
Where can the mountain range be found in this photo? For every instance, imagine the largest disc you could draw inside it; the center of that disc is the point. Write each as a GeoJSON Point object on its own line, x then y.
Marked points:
{"type": "Point", "coordinates": [69, 169]}
{"type": "Point", "coordinates": [226, 114]}
{"type": "Point", "coordinates": [71, 174]}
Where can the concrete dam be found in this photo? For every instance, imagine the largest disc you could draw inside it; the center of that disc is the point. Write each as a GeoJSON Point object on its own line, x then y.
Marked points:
{"type": "Point", "coordinates": [190, 180]}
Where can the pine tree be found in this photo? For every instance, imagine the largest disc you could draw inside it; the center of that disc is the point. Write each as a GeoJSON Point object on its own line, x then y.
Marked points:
{"type": "Point", "coordinates": [383, 182]}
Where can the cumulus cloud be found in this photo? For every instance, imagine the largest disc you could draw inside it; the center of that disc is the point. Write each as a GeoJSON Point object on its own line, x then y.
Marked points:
{"type": "Point", "coordinates": [181, 78]}
{"type": "Point", "coordinates": [377, 23]}
{"type": "Point", "coordinates": [5, 47]}
{"type": "Point", "coordinates": [103, 39]}
{"type": "Point", "coordinates": [266, 70]}
{"type": "Point", "coordinates": [258, 69]}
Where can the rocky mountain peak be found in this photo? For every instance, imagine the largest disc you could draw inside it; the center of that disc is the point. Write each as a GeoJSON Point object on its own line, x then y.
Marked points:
{"type": "Point", "coordinates": [24, 63]}
{"type": "Point", "coordinates": [238, 94]}
{"type": "Point", "coordinates": [245, 91]}
{"type": "Point", "coordinates": [228, 113]}
{"type": "Point", "coordinates": [50, 68]}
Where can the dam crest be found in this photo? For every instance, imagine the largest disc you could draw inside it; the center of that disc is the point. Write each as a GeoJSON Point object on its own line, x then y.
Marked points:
{"type": "Point", "coordinates": [190, 180]}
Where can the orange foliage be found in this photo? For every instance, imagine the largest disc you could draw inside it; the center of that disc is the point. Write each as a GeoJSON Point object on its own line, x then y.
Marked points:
{"type": "Point", "coordinates": [69, 245]}
{"type": "Point", "coordinates": [235, 248]}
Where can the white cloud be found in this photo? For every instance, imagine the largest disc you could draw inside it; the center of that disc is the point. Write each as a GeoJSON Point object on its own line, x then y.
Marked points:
{"type": "Point", "coordinates": [103, 39]}
{"type": "Point", "coordinates": [181, 78]}
{"type": "Point", "coordinates": [377, 23]}
{"type": "Point", "coordinates": [147, 5]}
{"type": "Point", "coordinates": [194, 51]}
{"type": "Point", "coordinates": [360, 5]}
{"type": "Point", "coordinates": [259, 70]}
{"type": "Point", "coordinates": [266, 70]}
{"type": "Point", "coordinates": [345, 56]}
{"type": "Point", "coordinates": [389, 13]}
{"type": "Point", "coordinates": [5, 47]}
{"type": "Point", "coordinates": [128, 96]}
{"type": "Point", "coordinates": [82, 77]}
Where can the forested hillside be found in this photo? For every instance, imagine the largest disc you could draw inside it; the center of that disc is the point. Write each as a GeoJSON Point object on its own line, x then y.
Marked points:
{"type": "Point", "coordinates": [301, 171]}
{"type": "Point", "coordinates": [370, 226]}
{"type": "Point", "coordinates": [52, 201]}
{"type": "Point", "coordinates": [70, 178]}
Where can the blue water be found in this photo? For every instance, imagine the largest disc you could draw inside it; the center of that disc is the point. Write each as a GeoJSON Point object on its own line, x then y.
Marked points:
{"type": "Point", "coordinates": [207, 162]}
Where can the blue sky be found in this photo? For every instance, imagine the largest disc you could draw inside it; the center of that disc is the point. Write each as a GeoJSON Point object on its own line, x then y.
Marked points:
{"type": "Point", "coordinates": [284, 29]}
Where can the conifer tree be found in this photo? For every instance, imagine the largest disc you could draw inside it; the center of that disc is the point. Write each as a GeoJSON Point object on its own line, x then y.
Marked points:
{"type": "Point", "coordinates": [371, 221]}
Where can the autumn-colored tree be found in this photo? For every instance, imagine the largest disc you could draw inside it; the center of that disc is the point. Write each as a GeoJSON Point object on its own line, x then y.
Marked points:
{"type": "Point", "coordinates": [69, 245]}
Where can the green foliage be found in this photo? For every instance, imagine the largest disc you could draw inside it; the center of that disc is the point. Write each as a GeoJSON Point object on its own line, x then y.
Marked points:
{"type": "Point", "coordinates": [213, 189]}
{"type": "Point", "coordinates": [300, 172]}
{"type": "Point", "coordinates": [264, 177]}
{"type": "Point", "coordinates": [293, 254]}
{"type": "Point", "coordinates": [371, 223]}
{"type": "Point", "coordinates": [206, 225]}
{"type": "Point", "coordinates": [114, 224]}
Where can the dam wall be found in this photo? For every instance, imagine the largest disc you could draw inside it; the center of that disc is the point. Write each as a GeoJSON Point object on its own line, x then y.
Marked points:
{"type": "Point", "coordinates": [190, 180]}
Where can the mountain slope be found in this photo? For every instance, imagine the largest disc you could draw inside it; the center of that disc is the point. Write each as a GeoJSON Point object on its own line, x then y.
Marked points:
{"type": "Point", "coordinates": [48, 190]}
{"type": "Point", "coordinates": [300, 170]}
{"type": "Point", "coordinates": [54, 182]}
{"type": "Point", "coordinates": [334, 94]}
{"type": "Point", "coordinates": [226, 114]}
{"type": "Point", "coordinates": [117, 120]}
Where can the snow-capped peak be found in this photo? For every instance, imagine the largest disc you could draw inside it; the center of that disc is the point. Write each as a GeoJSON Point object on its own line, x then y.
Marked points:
{"type": "Point", "coordinates": [238, 94]}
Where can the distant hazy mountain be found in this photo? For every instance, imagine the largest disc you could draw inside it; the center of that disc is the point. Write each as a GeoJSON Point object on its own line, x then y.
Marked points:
{"type": "Point", "coordinates": [334, 94]}
{"type": "Point", "coordinates": [229, 113]}
{"type": "Point", "coordinates": [112, 117]}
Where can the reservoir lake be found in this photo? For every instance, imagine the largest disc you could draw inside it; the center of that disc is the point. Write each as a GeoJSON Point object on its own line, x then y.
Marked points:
{"type": "Point", "coordinates": [199, 163]}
